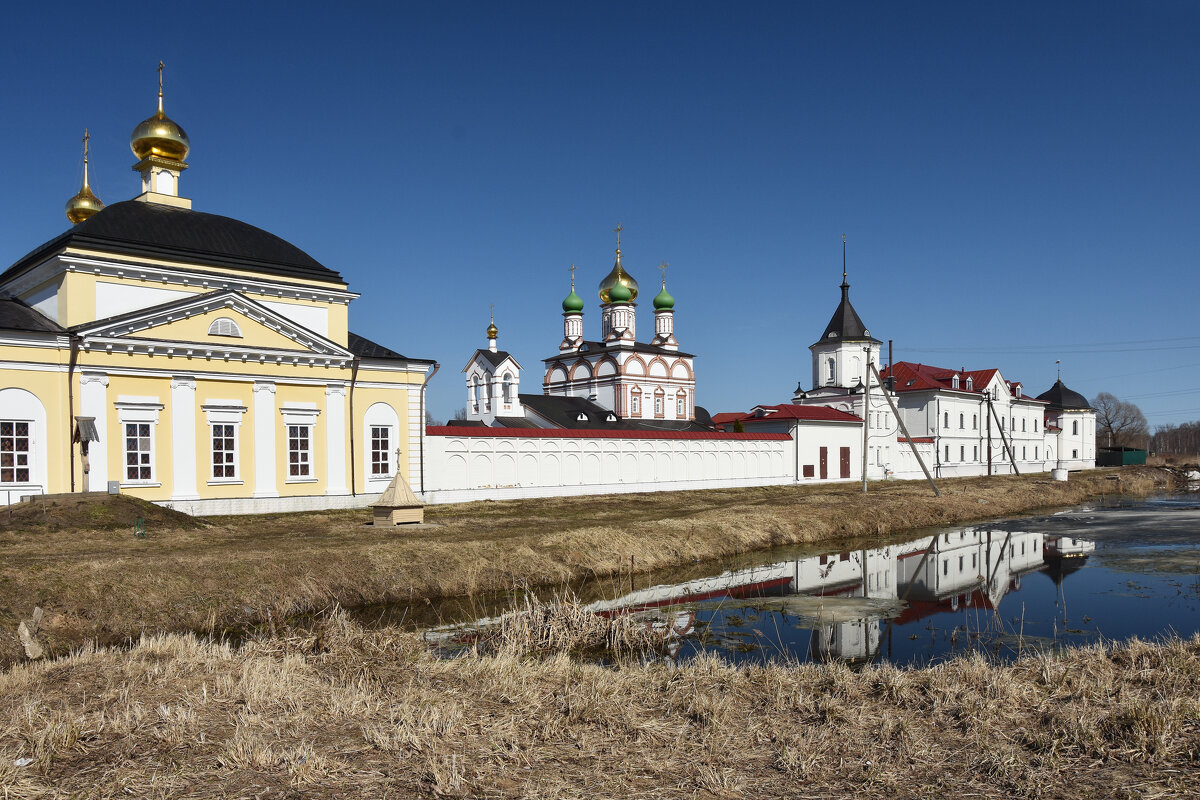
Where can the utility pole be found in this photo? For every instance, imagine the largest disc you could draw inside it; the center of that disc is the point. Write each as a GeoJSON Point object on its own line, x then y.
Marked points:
{"type": "Point", "coordinates": [904, 429]}
{"type": "Point", "coordinates": [866, 416]}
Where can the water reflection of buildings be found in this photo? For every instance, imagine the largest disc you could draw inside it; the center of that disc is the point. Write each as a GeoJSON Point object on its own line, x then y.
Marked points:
{"type": "Point", "coordinates": [967, 568]}
{"type": "Point", "coordinates": [895, 585]}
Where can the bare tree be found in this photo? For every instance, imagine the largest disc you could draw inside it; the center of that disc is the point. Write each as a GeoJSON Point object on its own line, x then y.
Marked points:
{"type": "Point", "coordinates": [460, 414]}
{"type": "Point", "coordinates": [429, 420]}
{"type": "Point", "coordinates": [1119, 423]}
{"type": "Point", "coordinates": [1177, 440]}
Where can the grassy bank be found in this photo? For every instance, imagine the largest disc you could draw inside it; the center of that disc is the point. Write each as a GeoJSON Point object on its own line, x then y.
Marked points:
{"type": "Point", "coordinates": [96, 582]}
{"type": "Point", "coordinates": [344, 712]}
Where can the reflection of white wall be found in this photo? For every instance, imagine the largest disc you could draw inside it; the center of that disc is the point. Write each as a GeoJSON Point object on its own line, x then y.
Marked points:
{"type": "Point", "coordinates": [23, 406]}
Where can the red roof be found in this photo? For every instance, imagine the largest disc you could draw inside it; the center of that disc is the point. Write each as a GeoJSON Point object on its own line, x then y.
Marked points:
{"type": "Point", "coordinates": [916, 440]}
{"type": "Point", "coordinates": [577, 433]}
{"type": "Point", "coordinates": [912, 377]}
{"type": "Point", "coordinates": [726, 416]}
{"type": "Point", "coordinates": [787, 411]}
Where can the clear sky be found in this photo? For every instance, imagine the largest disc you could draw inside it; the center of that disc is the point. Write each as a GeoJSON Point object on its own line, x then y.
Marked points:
{"type": "Point", "coordinates": [1017, 182]}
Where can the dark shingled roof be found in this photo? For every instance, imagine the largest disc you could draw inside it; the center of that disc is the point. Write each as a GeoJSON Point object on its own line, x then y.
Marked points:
{"type": "Point", "coordinates": [1060, 397]}
{"type": "Point", "coordinates": [496, 358]}
{"type": "Point", "coordinates": [563, 412]}
{"type": "Point", "coordinates": [365, 348]}
{"type": "Point", "coordinates": [600, 347]}
{"type": "Point", "coordinates": [846, 325]}
{"type": "Point", "coordinates": [16, 315]}
{"type": "Point", "coordinates": [154, 230]}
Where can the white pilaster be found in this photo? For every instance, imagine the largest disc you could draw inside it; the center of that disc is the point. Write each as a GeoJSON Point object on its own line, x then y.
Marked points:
{"type": "Point", "coordinates": [183, 438]}
{"type": "Point", "coordinates": [93, 402]}
{"type": "Point", "coordinates": [335, 439]}
{"type": "Point", "coordinates": [264, 440]}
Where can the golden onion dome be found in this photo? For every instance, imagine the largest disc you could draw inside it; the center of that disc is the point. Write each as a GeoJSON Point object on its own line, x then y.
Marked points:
{"type": "Point", "coordinates": [492, 331]}
{"type": "Point", "coordinates": [85, 203]}
{"type": "Point", "coordinates": [159, 135]}
{"type": "Point", "coordinates": [618, 275]}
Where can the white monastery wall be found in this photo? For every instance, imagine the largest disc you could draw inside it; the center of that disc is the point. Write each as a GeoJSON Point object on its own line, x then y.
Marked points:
{"type": "Point", "coordinates": [497, 464]}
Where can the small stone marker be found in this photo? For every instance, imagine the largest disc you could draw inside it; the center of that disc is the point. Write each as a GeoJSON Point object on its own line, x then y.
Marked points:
{"type": "Point", "coordinates": [27, 631]}
{"type": "Point", "coordinates": [398, 505]}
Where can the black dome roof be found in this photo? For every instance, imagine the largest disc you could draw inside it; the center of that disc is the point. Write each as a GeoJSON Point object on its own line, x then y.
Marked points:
{"type": "Point", "coordinates": [846, 325]}
{"type": "Point", "coordinates": [135, 227]}
{"type": "Point", "coordinates": [1060, 397]}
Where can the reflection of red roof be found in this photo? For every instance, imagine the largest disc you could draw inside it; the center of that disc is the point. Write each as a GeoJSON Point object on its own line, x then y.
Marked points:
{"type": "Point", "coordinates": [920, 609]}
{"type": "Point", "coordinates": [582, 433]}
{"type": "Point", "coordinates": [788, 411]}
{"type": "Point", "coordinates": [915, 440]}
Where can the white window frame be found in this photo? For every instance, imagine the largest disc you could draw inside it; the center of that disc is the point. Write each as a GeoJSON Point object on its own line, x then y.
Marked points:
{"type": "Point", "coordinates": [680, 405]}
{"type": "Point", "coordinates": [230, 329]}
{"type": "Point", "coordinates": [136, 410]}
{"type": "Point", "coordinates": [635, 403]}
{"type": "Point", "coordinates": [300, 416]}
{"type": "Point", "coordinates": [28, 452]}
{"type": "Point", "coordinates": [658, 405]}
{"type": "Point", "coordinates": [225, 412]}
{"type": "Point", "coordinates": [389, 470]}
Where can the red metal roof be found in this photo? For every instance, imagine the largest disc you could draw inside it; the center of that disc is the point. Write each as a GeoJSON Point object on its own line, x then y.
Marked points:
{"type": "Point", "coordinates": [578, 433]}
{"type": "Point", "coordinates": [912, 377]}
{"type": "Point", "coordinates": [789, 411]}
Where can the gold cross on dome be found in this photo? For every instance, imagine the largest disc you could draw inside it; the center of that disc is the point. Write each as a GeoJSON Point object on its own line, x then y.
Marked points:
{"type": "Point", "coordinates": [663, 268]}
{"type": "Point", "coordinates": [86, 136]}
{"type": "Point", "coordinates": [617, 230]}
{"type": "Point", "coordinates": [492, 311]}
{"type": "Point", "coordinates": [572, 269]}
{"type": "Point", "coordinates": [160, 71]}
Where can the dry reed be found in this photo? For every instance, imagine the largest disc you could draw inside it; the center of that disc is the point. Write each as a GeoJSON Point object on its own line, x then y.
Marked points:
{"type": "Point", "coordinates": [340, 711]}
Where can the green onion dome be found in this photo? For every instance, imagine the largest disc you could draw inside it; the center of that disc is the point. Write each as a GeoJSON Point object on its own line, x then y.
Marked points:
{"type": "Point", "coordinates": [664, 301]}
{"type": "Point", "coordinates": [573, 304]}
{"type": "Point", "coordinates": [620, 293]}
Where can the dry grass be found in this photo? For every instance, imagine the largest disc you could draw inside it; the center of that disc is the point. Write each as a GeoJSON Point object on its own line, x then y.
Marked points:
{"type": "Point", "coordinates": [98, 583]}
{"type": "Point", "coordinates": [340, 711]}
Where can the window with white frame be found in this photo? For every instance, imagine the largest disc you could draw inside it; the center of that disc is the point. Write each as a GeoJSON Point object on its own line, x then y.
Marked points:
{"type": "Point", "coordinates": [224, 422]}
{"type": "Point", "coordinates": [1074, 427]}
{"type": "Point", "coordinates": [831, 374]}
{"type": "Point", "coordinates": [299, 444]}
{"type": "Point", "coordinates": [635, 402]}
{"type": "Point", "coordinates": [14, 451]}
{"type": "Point", "coordinates": [507, 388]}
{"type": "Point", "coordinates": [139, 452]}
{"type": "Point", "coordinates": [974, 422]}
{"type": "Point", "coordinates": [658, 405]}
{"type": "Point", "coordinates": [962, 421]}
{"type": "Point", "coordinates": [680, 405]}
{"type": "Point", "coordinates": [946, 419]}
{"type": "Point", "coordinates": [138, 417]}
{"type": "Point", "coordinates": [381, 450]}
{"type": "Point", "coordinates": [224, 450]}
{"type": "Point", "coordinates": [299, 424]}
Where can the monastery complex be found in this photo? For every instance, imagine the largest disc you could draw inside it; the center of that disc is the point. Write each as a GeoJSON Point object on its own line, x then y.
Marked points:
{"type": "Point", "coordinates": [200, 362]}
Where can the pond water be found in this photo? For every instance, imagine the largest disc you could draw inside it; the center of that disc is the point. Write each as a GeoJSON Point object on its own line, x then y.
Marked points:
{"type": "Point", "coordinates": [1107, 571]}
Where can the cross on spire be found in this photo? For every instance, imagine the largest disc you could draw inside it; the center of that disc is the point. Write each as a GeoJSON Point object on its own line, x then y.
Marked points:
{"type": "Point", "coordinates": [160, 76]}
{"type": "Point", "coordinates": [572, 269]}
{"type": "Point", "coordinates": [86, 136]}
{"type": "Point", "coordinates": [1058, 364]}
{"type": "Point", "coordinates": [617, 230]}
{"type": "Point", "coordinates": [492, 311]}
{"type": "Point", "coordinates": [663, 268]}
{"type": "Point", "coordinates": [844, 259]}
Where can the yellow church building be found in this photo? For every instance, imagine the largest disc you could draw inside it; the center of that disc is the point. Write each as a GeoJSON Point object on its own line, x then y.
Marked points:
{"type": "Point", "coordinates": [194, 360]}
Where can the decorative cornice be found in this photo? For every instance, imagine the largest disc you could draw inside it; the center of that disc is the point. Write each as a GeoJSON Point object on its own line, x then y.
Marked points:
{"type": "Point", "coordinates": [69, 262]}
{"type": "Point", "coordinates": [183, 382]}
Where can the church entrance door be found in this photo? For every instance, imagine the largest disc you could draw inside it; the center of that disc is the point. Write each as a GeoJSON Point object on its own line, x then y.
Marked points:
{"type": "Point", "coordinates": [845, 459]}
{"type": "Point", "coordinates": [824, 463]}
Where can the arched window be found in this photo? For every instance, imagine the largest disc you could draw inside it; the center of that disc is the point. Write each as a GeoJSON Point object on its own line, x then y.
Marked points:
{"type": "Point", "coordinates": [954, 382]}
{"type": "Point", "coordinates": [962, 421]}
{"type": "Point", "coordinates": [831, 374]}
{"type": "Point", "coordinates": [507, 387]}
{"type": "Point", "coordinates": [680, 405]}
{"type": "Point", "coordinates": [635, 402]}
{"type": "Point", "coordinates": [475, 391]}
{"type": "Point", "coordinates": [224, 326]}
{"type": "Point", "coordinates": [1074, 427]}
{"type": "Point", "coordinates": [946, 419]}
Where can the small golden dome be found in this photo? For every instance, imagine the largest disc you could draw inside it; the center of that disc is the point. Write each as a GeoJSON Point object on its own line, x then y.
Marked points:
{"type": "Point", "coordinates": [159, 135]}
{"type": "Point", "coordinates": [85, 203]}
{"type": "Point", "coordinates": [618, 274]}
{"type": "Point", "coordinates": [492, 331]}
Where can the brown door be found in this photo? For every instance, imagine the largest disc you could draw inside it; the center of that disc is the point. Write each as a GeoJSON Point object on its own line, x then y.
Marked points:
{"type": "Point", "coordinates": [824, 463]}
{"type": "Point", "coordinates": [845, 458]}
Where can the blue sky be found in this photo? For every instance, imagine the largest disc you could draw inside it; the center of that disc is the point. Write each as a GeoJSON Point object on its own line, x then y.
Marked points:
{"type": "Point", "coordinates": [1017, 182]}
